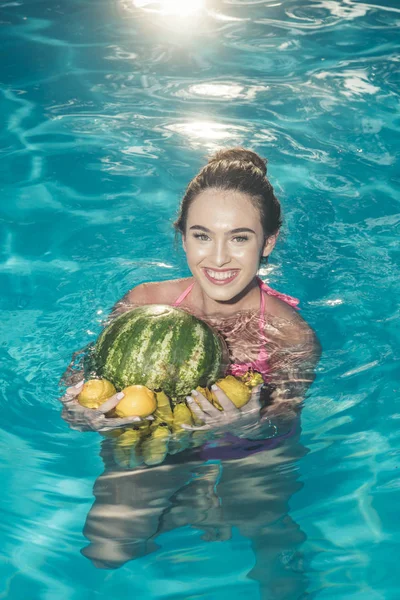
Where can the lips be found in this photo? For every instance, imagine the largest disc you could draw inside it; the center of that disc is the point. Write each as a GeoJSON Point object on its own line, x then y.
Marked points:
{"type": "Point", "coordinates": [221, 277]}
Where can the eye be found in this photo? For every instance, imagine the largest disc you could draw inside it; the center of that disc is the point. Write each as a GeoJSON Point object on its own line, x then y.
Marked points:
{"type": "Point", "coordinates": [201, 236]}
{"type": "Point", "coordinates": [241, 238]}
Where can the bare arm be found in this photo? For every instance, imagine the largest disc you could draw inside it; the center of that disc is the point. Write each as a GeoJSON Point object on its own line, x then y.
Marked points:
{"type": "Point", "coordinates": [74, 373]}
{"type": "Point", "coordinates": [293, 360]}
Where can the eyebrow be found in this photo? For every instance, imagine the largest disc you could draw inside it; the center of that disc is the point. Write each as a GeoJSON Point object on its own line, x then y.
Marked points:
{"type": "Point", "coordinates": [237, 230]}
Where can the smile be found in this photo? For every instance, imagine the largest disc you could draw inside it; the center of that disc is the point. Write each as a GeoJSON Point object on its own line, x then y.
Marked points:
{"type": "Point", "coordinates": [221, 277]}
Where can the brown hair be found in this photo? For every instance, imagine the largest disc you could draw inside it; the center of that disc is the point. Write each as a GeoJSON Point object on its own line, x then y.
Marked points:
{"type": "Point", "coordinates": [238, 170]}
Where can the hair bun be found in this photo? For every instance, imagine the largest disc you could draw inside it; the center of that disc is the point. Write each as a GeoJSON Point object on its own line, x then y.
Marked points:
{"type": "Point", "coordinates": [240, 155]}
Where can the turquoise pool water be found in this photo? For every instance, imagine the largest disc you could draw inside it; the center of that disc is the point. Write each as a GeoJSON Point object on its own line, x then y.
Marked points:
{"type": "Point", "coordinates": [107, 111]}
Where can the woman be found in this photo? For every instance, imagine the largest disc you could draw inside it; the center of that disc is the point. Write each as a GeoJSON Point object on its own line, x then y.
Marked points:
{"type": "Point", "coordinates": [229, 220]}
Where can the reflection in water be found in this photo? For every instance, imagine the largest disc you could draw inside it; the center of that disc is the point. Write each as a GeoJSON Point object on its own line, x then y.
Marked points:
{"type": "Point", "coordinates": [355, 82]}
{"type": "Point", "coordinates": [207, 133]}
{"type": "Point", "coordinates": [133, 507]}
{"type": "Point", "coordinates": [345, 9]}
{"type": "Point", "coordinates": [219, 90]}
{"type": "Point", "coordinates": [180, 8]}
{"type": "Point", "coordinates": [225, 90]}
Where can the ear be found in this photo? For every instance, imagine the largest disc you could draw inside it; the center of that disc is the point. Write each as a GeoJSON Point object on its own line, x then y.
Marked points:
{"type": "Point", "coordinates": [269, 244]}
{"type": "Point", "coordinates": [184, 242]}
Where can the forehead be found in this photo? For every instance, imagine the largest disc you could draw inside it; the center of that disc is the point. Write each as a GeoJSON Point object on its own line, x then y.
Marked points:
{"type": "Point", "coordinates": [223, 208]}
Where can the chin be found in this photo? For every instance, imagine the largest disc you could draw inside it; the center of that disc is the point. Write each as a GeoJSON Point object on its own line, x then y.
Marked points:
{"type": "Point", "coordinates": [221, 293]}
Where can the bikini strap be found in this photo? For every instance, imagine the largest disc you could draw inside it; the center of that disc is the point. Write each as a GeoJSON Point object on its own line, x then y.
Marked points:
{"type": "Point", "coordinates": [265, 288]}
{"type": "Point", "coordinates": [288, 299]}
{"type": "Point", "coordinates": [185, 293]}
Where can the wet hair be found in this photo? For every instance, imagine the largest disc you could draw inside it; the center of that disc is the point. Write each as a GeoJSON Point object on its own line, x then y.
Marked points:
{"type": "Point", "coordinates": [236, 170]}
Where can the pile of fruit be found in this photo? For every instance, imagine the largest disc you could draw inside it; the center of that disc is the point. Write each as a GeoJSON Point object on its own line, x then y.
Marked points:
{"type": "Point", "coordinates": [157, 355]}
{"type": "Point", "coordinates": [150, 442]}
{"type": "Point", "coordinates": [160, 347]}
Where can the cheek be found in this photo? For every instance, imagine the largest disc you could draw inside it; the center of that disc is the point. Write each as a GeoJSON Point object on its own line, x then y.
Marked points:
{"type": "Point", "coordinates": [248, 254]}
{"type": "Point", "coordinates": [195, 252]}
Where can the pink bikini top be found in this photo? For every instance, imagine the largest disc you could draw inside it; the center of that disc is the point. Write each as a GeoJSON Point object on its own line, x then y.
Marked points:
{"type": "Point", "coordinates": [261, 364]}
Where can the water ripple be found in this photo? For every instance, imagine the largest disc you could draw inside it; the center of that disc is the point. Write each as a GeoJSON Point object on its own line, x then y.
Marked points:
{"type": "Point", "coordinates": [108, 110]}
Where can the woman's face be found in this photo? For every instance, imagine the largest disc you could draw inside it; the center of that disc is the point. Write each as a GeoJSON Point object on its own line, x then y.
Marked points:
{"type": "Point", "coordinates": [224, 241]}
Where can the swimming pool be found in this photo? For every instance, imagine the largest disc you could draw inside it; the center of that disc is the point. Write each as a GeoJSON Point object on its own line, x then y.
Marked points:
{"type": "Point", "coordinates": [108, 109]}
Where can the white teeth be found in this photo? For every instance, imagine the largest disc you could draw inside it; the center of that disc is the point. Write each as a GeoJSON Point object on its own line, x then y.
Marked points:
{"type": "Point", "coordinates": [216, 275]}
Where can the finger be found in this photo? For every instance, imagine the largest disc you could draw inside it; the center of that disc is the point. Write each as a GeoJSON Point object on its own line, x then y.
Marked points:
{"type": "Point", "coordinates": [110, 403]}
{"type": "Point", "coordinates": [74, 408]}
{"type": "Point", "coordinates": [254, 402]}
{"type": "Point", "coordinates": [194, 428]}
{"type": "Point", "coordinates": [67, 400]}
{"type": "Point", "coordinates": [200, 400]}
{"type": "Point", "coordinates": [65, 413]}
{"type": "Point", "coordinates": [120, 422]}
{"type": "Point", "coordinates": [74, 390]}
{"type": "Point", "coordinates": [225, 402]}
{"type": "Point", "coordinates": [206, 405]}
{"type": "Point", "coordinates": [76, 427]}
{"type": "Point", "coordinates": [195, 408]}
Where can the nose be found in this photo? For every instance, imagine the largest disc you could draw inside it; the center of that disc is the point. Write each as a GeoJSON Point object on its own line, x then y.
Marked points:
{"type": "Point", "coordinates": [221, 255]}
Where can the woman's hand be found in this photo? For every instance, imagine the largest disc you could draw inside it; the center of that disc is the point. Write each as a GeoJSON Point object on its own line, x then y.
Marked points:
{"type": "Point", "coordinates": [89, 419]}
{"type": "Point", "coordinates": [230, 417]}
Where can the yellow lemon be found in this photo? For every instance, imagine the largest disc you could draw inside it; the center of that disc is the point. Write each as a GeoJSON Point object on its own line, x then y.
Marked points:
{"type": "Point", "coordinates": [95, 392]}
{"type": "Point", "coordinates": [236, 390]}
{"type": "Point", "coordinates": [129, 438]}
{"type": "Point", "coordinates": [113, 433]}
{"type": "Point", "coordinates": [155, 448]}
{"type": "Point", "coordinates": [138, 401]}
{"type": "Point", "coordinates": [206, 392]}
{"type": "Point", "coordinates": [163, 413]}
{"type": "Point", "coordinates": [125, 449]}
{"type": "Point", "coordinates": [182, 416]}
{"type": "Point", "coordinates": [252, 378]}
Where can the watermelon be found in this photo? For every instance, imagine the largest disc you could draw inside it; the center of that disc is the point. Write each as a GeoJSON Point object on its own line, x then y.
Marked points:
{"type": "Point", "coordinates": [161, 347]}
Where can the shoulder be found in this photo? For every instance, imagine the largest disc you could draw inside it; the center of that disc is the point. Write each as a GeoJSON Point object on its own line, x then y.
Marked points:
{"type": "Point", "coordinates": [156, 292]}
{"type": "Point", "coordinates": [294, 329]}
{"type": "Point", "coordinates": [278, 308]}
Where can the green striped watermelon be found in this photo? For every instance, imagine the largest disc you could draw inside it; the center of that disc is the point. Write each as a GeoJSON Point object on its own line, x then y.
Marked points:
{"type": "Point", "coordinates": [160, 347]}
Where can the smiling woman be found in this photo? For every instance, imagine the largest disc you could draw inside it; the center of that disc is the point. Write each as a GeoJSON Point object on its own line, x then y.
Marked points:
{"type": "Point", "coordinates": [229, 220]}
{"type": "Point", "coordinates": [216, 254]}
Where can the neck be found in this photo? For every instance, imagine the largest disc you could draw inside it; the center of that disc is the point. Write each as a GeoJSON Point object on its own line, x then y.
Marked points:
{"type": "Point", "coordinates": [248, 299]}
